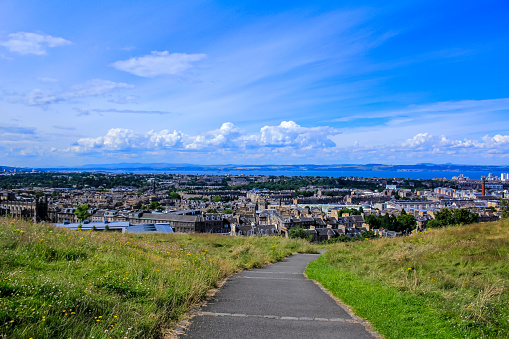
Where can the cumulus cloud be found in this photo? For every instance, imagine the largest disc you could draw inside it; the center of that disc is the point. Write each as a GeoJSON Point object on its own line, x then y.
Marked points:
{"type": "Point", "coordinates": [426, 142]}
{"type": "Point", "coordinates": [288, 134]}
{"type": "Point", "coordinates": [163, 139]}
{"type": "Point", "coordinates": [226, 136]}
{"type": "Point", "coordinates": [32, 43]}
{"type": "Point", "coordinates": [121, 139]}
{"type": "Point", "coordinates": [419, 140]}
{"type": "Point", "coordinates": [94, 87]}
{"type": "Point", "coordinates": [158, 63]}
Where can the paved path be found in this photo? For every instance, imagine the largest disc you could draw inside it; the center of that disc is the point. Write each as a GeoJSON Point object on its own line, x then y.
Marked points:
{"type": "Point", "coordinates": [276, 301]}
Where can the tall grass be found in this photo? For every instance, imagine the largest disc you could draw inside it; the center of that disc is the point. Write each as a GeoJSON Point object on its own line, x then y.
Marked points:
{"type": "Point", "coordinates": [57, 283]}
{"type": "Point", "coordinates": [449, 283]}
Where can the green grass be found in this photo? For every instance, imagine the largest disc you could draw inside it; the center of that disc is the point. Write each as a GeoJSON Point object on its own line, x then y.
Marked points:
{"type": "Point", "coordinates": [57, 283]}
{"type": "Point", "coordinates": [450, 283]}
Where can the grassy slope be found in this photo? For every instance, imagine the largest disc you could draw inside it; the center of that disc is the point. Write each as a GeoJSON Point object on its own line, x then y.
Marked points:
{"type": "Point", "coordinates": [56, 283]}
{"type": "Point", "coordinates": [450, 283]}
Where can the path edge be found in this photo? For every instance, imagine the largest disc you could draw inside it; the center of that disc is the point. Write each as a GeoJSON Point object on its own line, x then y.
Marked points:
{"type": "Point", "coordinates": [365, 323]}
{"type": "Point", "coordinates": [180, 328]}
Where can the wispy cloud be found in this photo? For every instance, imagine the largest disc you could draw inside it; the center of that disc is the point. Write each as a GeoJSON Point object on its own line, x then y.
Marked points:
{"type": "Point", "coordinates": [16, 130]}
{"type": "Point", "coordinates": [32, 43]}
{"type": "Point", "coordinates": [158, 63]}
{"type": "Point", "coordinates": [65, 128]}
{"type": "Point", "coordinates": [92, 88]}
{"type": "Point", "coordinates": [129, 111]}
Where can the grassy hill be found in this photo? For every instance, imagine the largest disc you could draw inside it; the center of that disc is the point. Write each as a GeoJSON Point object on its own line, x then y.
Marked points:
{"type": "Point", "coordinates": [56, 283]}
{"type": "Point", "coordinates": [448, 283]}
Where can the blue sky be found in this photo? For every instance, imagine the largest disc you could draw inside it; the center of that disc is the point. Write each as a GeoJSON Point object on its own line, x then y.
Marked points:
{"type": "Point", "coordinates": [254, 82]}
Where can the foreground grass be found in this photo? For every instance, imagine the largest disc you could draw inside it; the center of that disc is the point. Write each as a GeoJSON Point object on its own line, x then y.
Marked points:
{"type": "Point", "coordinates": [450, 283]}
{"type": "Point", "coordinates": [57, 283]}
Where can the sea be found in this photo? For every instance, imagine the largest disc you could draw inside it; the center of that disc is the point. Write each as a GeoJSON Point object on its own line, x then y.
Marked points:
{"type": "Point", "coordinates": [405, 174]}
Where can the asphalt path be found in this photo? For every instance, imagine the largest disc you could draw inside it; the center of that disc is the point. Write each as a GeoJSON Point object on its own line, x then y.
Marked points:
{"type": "Point", "coordinates": [276, 301]}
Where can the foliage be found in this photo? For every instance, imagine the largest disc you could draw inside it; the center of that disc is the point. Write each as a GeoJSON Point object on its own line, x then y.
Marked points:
{"type": "Point", "coordinates": [216, 198]}
{"type": "Point", "coordinates": [504, 206]}
{"type": "Point", "coordinates": [405, 222]}
{"type": "Point", "coordinates": [211, 210]}
{"type": "Point", "coordinates": [342, 238]}
{"type": "Point", "coordinates": [447, 217]}
{"type": "Point", "coordinates": [373, 221]}
{"type": "Point", "coordinates": [73, 180]}
{"type": "Point", "coordinates": [351, 211]}
{"type": "Point", "coordinates": [59, 283]}
{"type": "Point", "coordinates": [82, 212]}
{"type": "Point", "coordinates": [174, 195]}
{"type": "Point", "coordinates": [365, 235]}
{"type": "Point", "coordinates": [298, 232]}
{"type": "Point", "coordinates": [447, 283]}
{"type": "Point", "coordinates": [369, 235]}
{"type": "Point", "coordinates": [305, 193]}
{"type": "Point", "coordinates": [227, 211]}
{"type": "Point", "coordinates": [155, 205]}
{"type": "Point", "coordinates": [400, 223]}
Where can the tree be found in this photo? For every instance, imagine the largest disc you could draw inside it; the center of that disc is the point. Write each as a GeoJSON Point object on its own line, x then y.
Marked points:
{"type": "Point", "coordinates": [82, 212]}
{"type": "Point", "coordinates": [211, 210]}
{"type": "Point", "coordinates": [296, 232]}
{"type": "Point", "coordinates": [174, 195]}
{"type": "Point", "coordinates": [216, 198]}
{"type": "Point", "coordinates": [465, 217]}
{"type": "Point", "coordinates": [504, 205]}
{"type": "Point", "coordinates": [389, 222]}
{"type": "Point", "coordinates": [155, 205]}
{"type": "Point", "coordinates": [369, 235]}
{"type": "Point", "coordinates": [373, 221]}
{"type": "Point", "coordinates": [433, 224]}
{"type": "Point", "coordinates": [227, 211]}
{"type": "Point", "coordinates": [406, 222]}
{"type": "Point", "coordinates": [444, 217]}
{"type": "Point", "coordinates": [351, 211]}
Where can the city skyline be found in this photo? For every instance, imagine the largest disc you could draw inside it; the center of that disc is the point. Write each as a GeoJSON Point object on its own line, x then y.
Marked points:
{"type": "Point", "coordinates": [213, 82]}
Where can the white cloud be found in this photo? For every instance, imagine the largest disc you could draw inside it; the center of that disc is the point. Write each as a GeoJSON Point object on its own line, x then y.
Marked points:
{"type": "Point", "coordinates": [32, 43]}
{"type": "Point", "coordinates": [94, 87]}
{"type": "Point", "coordinates": [163, 139]}
{"type": "Point", "coordinates": [425, 142]}
{"type": "Point", "coordinates": [158, 63]}
{"type": "Point", "coordinates": [288, 135]}
{"type": "Point", "coordinates": [116, 139]}
{"type": "Point", "coordinates": [226, 136]}
{"type": "Point", "coordinates": [419, 140]}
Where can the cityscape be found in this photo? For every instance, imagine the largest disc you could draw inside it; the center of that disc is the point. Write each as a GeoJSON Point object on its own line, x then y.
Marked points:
{"type": "Point", "coordinates": [244, 205]}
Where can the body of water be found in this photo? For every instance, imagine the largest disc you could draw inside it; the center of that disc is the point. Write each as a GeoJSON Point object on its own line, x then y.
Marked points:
{"type": "Point", "coordinates": [414, 174]}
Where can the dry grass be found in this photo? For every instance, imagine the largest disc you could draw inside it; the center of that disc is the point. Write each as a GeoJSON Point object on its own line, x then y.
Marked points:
{"type": "Point", "coordinates": [462, 271]}
{"type": "Point", "coordinates": [58, 283]}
